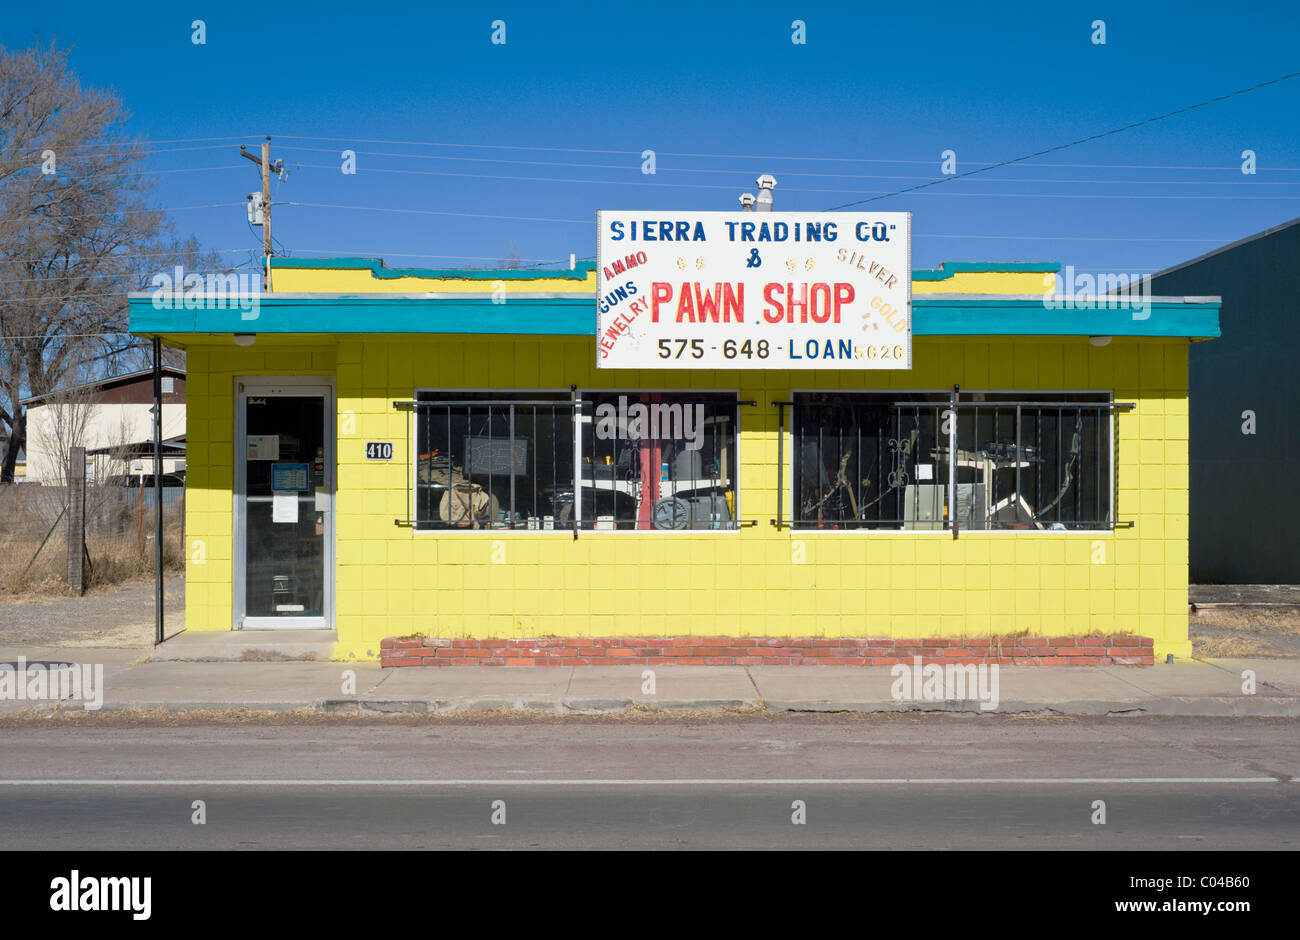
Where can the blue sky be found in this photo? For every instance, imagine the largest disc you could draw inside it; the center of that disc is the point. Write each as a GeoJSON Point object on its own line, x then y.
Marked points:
{"type": "Point", "coordinates": [474, 141]}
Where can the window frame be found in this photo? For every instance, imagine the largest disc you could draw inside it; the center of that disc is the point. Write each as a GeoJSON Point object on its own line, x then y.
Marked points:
{"type": "Point", "coordinates": [1106, 401]}
{"type": "Point", "coordinates": [735, 525]}
{"type": "Point", "coordinates": [463, 394]}
{"type": "Point", "coordinates": [575, 400]}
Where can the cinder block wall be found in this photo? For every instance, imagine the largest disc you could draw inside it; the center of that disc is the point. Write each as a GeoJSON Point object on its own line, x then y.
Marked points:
{"type": "Point", "coordinates": [755, 581]}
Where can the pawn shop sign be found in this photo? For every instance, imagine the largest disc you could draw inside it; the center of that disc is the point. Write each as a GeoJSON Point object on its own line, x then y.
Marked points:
{"type": "Point", "coordinates": [754, 290]}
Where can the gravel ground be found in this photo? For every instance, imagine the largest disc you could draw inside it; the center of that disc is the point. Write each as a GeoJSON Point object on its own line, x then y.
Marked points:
{"type": "Point", "coordinates": [120, 616]}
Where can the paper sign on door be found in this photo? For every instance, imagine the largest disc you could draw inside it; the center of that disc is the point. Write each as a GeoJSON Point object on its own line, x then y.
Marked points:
{"type": "Point", "coordinates": [284, 507]}
{"type": "Point", "coordinates": [263, 447]}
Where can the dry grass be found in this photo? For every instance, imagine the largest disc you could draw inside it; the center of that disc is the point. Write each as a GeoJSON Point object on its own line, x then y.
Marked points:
{"type": "Point", "coordinates": [1229, 647]}
{"type": "Point", "coordinates": [118, 551]}
{"type": "Point", "coordinates": [1233, 632]}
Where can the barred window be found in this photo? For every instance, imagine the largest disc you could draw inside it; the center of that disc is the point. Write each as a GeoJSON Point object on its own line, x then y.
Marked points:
{"type": "Point", "coordinates": [487, 460]}
{"type": "Point", "coordinates": [896, 460]}
{"type": "Point", "coordinates": [659, 460]}
{"type": "Point", "coordinates": [642, 460]}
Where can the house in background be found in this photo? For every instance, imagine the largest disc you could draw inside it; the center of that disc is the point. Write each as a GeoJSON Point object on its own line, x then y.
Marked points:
{"type": "Point", "coordinates": [1244, 444]}
{"type": "Point", "coordinates": [113, 419]}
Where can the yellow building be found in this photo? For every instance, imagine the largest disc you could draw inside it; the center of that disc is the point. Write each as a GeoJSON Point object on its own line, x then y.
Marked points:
{"type": "Point", "coordinates": [409, 453]}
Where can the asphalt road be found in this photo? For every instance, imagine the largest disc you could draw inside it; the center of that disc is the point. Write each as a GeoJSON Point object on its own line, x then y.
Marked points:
{"type": "Point", "coordinates": [887, 782]}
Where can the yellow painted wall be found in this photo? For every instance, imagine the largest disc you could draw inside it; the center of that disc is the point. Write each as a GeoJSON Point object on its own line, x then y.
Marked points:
{"type": "Point", "coordinates": [361, 281]}
{"type": "Point", "coordinates": [393, 581]}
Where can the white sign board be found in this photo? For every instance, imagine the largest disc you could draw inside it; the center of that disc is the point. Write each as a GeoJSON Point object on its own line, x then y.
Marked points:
{"type": "Point", "coordinates": [754, 290]}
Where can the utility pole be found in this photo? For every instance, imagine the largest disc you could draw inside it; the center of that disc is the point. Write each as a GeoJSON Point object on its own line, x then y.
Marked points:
{"type": "Point", "coordinates": [265, 165]}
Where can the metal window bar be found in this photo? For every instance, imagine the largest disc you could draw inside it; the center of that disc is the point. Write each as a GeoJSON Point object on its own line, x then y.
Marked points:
{"type": "Point", "coordinates": [780, 407]}
{"type": "Point", "coordinates": [427, 510]}
{"type": "Point", "coordinates": [952, 463]}
{"type": "Point", "coordinates": [722, 416]}
{"type": "Point", "coordinates": [811, 432]}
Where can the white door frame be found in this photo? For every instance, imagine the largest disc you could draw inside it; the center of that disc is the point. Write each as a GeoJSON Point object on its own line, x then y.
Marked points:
{"type": "Point", "coordinates": [259, 386]}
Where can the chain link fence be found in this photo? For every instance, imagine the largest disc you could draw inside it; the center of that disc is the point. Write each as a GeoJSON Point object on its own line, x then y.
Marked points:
{"type": "Point", "coordinates": [119, 534]}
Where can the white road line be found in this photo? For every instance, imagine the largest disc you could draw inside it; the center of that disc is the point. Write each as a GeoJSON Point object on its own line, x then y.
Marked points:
{"type": "Point", "coordinates": [650, 782]}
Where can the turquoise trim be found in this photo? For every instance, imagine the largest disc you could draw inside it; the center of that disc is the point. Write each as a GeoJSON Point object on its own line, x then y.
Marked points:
{"type": "Point", "coordinates": [948, 268]}
{"type": "Point", "coordinates": [380, 271]}
{"type": "Point", "coordinates": [931, 316]}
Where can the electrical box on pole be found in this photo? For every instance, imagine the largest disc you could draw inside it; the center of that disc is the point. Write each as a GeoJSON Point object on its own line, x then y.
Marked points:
{"type": "Point", "coordinates": [255, 216]}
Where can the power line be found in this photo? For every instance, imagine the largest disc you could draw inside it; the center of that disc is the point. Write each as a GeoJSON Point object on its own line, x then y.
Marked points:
{"type": "Point", "coordinates": [740, 172]}
{"type": "Point", "coordinates": [1158, 166]}
{"type": "Point", "coordinates": [470, 215]}
{"type": "Point", "coordinates": [107, 214]}
{"type": "Point", "coordinates": [192, 140]}
{"type": "Point", "coordinates": [1074, 143]}
{"type": "Point", "coordinates": [769, 157]}
{"type": "Point", "coordinates": [122, 255]}
{"type": "Point", "coordinates": [330, 253]}
{"type": "Point", "coordinates": [664, 184]}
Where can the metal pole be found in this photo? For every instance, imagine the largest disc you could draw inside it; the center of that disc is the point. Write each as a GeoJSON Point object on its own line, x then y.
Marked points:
{"type": "Point", "coordinates": [157, 491]}
{"type": "Point", "coordinates": [1019, 451]}
{"type": "Point", "coordinates": [780, 462]}
{"type": "Point", "coordinates": [77, 520]}
{"type": "Point", "coordinates": [952, 461]}
{"type": "Point", "coordinates": [512, 466]}
{"type": "Point", "coordinates": [575, 400]}
{"type": "Point", "coordinates": [266, 206]}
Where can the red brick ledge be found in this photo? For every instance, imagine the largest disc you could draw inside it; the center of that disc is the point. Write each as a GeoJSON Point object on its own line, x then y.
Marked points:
{"type": "Point", "coordinates": [766, 651]}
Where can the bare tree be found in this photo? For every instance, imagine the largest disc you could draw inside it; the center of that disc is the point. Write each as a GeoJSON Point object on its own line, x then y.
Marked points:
{"type": "Point", "coordinates": [511, 261]}
{"type": "Point", "coordinates": [76, 233]}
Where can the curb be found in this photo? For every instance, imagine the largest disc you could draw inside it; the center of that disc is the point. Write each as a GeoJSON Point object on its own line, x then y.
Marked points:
{"type": "Point", "coordinates": [1239, 707]}
{"type": "Point", "coordinates": [1169, 706]}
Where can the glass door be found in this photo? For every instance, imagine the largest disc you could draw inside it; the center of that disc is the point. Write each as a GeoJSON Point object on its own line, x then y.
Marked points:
{"type": "Point", "coordinates": [284, 534]}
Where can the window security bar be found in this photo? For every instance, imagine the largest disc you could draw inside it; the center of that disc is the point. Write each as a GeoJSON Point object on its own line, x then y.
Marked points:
{"type": "Point", "coordinates": [780, 407]}
{"type": "Point", "coordinates": [1058, 449]}
{"type": "Point", "coordinates": [1044, 451]}
{"type": "Point", "coordinates": [465, 447]}
{"type": "Point", "coordinates": [612, 460]}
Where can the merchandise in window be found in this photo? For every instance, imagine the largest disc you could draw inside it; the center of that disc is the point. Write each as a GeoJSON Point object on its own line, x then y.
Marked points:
{"type": "Point", "coordinates": [896, 460]}
{"type": "Point", "coordinates": [484, 460]}
{"type": "Point", "coordinates": [658, 460]}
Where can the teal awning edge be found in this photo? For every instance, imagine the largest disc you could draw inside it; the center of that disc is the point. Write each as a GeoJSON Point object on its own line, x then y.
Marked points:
{"type": "Point", "coordinates": [1196, 318]}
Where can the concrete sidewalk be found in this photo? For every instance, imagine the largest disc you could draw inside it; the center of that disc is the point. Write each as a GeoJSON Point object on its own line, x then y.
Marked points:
{"type": "Point", "coordinates": [1188, 687]}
